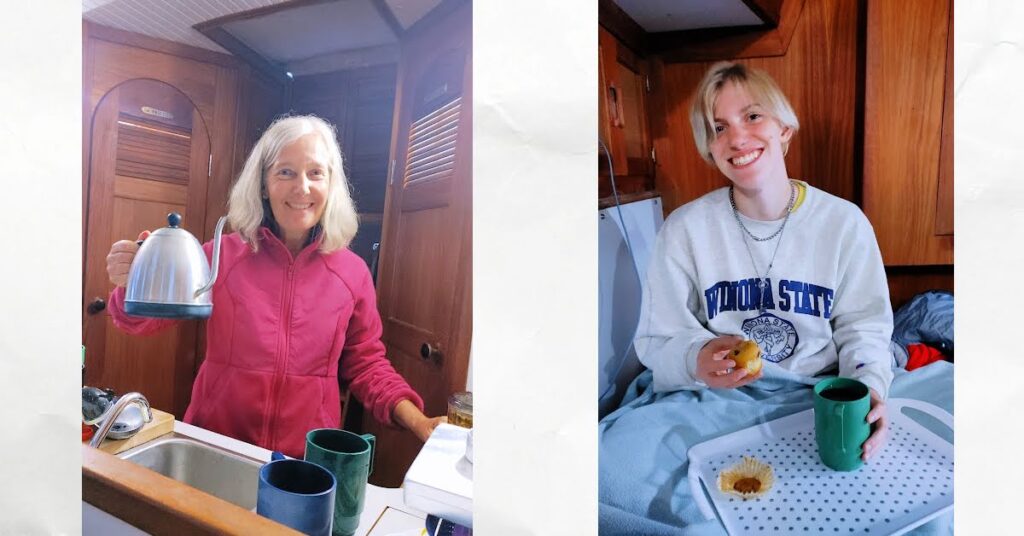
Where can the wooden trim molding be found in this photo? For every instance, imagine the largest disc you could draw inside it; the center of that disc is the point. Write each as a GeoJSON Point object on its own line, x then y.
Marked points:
{"type": "Point", "coordinates": [389, 17]}
{"type": "Point", "coordinates": [944, 214]}
{"type": "Point", "coordinates": [622, 26]}
{"type": "Point", "coordinates": [769, 11]}
{"type": "Point", "coordinates": [258, 12]}
{"type": "Point", "coordinates": [161, 505]}
{"type": "Point", "coordinates": [93, 30]}
{"type": "Point", "coordinates": [729, 43]}
{"type": "Point", "coordinates": [223, 38]}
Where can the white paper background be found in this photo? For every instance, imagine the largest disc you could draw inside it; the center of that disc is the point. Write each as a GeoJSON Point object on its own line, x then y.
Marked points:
{"type": "Point", "coordinates": [989, 254]}
{"type": "Point", "coordinates": [535, 267]}
{"type": "Point", "coordinates": [40, 241]}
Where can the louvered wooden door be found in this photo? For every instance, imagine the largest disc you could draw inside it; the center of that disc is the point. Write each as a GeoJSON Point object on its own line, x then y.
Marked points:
{"type": "Point", "coordinates": [150, 155]}
{"type": "Point", "coordinates": [425, 278]}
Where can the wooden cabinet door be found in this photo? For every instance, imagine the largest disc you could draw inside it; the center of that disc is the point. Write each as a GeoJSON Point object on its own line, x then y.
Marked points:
{"type": "Point", "coordinates": [608, 110]}
{"type": "Point", "coordinates": [908, 179]}
{"type": "Point", "coordinates": [150, 155]}
{"type": "Point", "coordinates": [631, 74]}
{"type": "Point", "coordinates": [624, 85]}
{"type": "Point", "coordinates": [425, 275]}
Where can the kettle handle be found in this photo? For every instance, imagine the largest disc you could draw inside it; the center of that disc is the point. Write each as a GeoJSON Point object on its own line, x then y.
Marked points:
{"type": "Point", "coordinates": [216, 256]}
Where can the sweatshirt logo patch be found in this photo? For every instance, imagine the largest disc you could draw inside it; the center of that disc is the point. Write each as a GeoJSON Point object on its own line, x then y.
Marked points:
{"type": "Point", "coordinates": [776, 336]}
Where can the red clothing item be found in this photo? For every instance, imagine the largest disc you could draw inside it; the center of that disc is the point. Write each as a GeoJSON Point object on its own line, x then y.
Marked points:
{"type": "Point", "coordinates": [921, 355]}
{"type": "Point", "coordinates": [281, 332]}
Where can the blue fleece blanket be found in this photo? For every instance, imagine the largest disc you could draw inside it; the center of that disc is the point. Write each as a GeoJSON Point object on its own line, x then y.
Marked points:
{"type": "Point", "coordinates": [643, 485]}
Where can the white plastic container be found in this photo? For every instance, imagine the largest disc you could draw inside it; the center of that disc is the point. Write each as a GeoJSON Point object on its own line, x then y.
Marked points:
{"type": "Point", "coordinates": [440, 479]}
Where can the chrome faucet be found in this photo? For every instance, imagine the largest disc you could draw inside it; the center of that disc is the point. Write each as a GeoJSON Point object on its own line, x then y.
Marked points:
{"type": "Point", "coordinates": [122, 402]}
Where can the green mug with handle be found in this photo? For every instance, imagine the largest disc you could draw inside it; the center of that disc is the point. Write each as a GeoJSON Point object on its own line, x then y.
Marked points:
{"type": "Point", "coordinates": [349, 457]}
{"type": "Point", "coordinates": [841, 408]}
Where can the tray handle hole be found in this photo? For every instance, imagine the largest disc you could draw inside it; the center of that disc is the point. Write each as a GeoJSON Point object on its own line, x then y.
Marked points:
{"type": "Point", "coordinates": [931, 423]}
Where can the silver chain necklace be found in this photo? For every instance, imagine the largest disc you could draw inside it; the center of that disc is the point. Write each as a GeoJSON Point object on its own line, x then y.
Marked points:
{"type": "Point", "coordinates": [762, 281]}
{"type": "Point", "coordinates": [789, 208]}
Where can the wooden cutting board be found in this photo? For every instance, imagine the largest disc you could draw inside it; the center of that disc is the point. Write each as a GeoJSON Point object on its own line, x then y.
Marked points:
{"type": "Point", "coordinates": [162, 423]}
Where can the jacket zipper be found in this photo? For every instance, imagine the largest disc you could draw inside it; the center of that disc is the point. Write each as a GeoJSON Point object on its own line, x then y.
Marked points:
{"type": "Point", "coordinates": [282, 358]}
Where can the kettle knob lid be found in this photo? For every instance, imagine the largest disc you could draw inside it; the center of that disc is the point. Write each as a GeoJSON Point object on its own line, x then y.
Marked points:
{"type": "Point", "coordinates": [174, 220]}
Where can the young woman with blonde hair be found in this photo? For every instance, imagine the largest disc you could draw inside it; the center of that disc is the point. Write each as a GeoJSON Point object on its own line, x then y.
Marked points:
{"type": "Point", "coordinates": [768, 258]}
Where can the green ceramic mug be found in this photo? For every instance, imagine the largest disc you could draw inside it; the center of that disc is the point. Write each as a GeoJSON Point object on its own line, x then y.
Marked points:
{"type": "Point", "coordinates": [841, 408]}
{"type": "Point", "coordinates": [349, 457]}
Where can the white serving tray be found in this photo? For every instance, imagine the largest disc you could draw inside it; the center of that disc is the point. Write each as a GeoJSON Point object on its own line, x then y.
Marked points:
{"type": "Point", "coordinates": [905, 485]}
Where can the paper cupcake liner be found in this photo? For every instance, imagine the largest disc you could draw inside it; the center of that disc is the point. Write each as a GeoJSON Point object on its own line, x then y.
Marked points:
{"type": "Point", "coordinates": [753, 478]}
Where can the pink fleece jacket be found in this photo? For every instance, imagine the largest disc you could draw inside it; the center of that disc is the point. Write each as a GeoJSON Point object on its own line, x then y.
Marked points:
{"type": "Point", "coordinates": [281, 332]}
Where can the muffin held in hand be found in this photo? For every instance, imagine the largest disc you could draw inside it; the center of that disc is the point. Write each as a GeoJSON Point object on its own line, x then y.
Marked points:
{"type": "Point", "coordinates": [747, 354]}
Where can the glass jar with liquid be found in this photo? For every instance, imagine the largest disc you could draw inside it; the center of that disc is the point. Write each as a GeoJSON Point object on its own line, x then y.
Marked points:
{"type": "Point", "coordinates": [460, 409]}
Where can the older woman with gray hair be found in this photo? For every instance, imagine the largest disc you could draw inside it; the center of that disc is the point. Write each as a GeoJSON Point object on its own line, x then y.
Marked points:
{"type": "Point", "coordinates": [295, 309]}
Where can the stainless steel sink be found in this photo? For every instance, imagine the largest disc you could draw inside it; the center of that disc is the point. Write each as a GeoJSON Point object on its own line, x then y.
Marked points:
{"type": "Point", "coordinates": [205, 467]}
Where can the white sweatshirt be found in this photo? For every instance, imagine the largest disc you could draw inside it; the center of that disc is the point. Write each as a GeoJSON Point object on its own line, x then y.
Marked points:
{"type": "Point", "coordinates": [828, 296]}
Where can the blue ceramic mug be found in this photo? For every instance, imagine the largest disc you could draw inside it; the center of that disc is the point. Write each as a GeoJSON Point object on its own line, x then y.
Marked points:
{"type": "Point", "coordinates": [298, 494]}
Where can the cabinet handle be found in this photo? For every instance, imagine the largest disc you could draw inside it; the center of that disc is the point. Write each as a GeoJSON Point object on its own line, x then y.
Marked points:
{"type": "Point", "coordinates": [614, 106]}
{"type": "Point", "coordinates": [96, 306]}
{"type": "Point", "coordinates": [428, 352]}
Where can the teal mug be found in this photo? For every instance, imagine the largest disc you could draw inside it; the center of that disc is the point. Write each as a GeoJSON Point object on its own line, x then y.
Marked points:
{"type": "Point", "coordinates": [349, 457]}
{"type": "Point", "coordinates": [841, 408]}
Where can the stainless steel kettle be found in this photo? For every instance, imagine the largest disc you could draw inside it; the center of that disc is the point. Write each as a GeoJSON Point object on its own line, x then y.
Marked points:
{"type": "Point", "coordinates": [169, 276]}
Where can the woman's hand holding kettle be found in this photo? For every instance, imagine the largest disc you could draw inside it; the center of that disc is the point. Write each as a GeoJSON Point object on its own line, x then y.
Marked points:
{"type": "Point", "coordinates": [119, 260]}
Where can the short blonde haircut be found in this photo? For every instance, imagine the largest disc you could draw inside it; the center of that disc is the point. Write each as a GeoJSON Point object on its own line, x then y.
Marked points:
{"type": "Point", "coordinates": [246, 208]}
{"type": "Point", "coordinates": [757, 83]}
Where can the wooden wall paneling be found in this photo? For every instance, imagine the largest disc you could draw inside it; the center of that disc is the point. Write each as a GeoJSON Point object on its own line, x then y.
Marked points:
{"type": "Point", "coordinates": [222, 169]}
{"type": "Point", "coordinates": [905, 282]}
{"type": "Point", "coordinates": [209, 83]}
{"type": "Point", "coordinates": [261, 99]}
{"type": "Point", "coordinates": [632, 76]}
{"type": "Point", "coordinates": [325, 95]}
{"type": "Point", "coordinates": [944, 202]}
{"type": "Point", "coordinates": [139, 41]}
{"type": "Point", "coordinates": [360, 102]}
{"type": "Point", "coordinates": [133, 185]}
{"type": "Point", "coordinates": [902, 128]}
{"type": "Point", "coordinates": [197, 80]}
{"type": "Point", "coordinates": [370, 117]}
{"type": "Point", "coordinates": [87, 74]}
{"type": "Point", "coordinates": [819, 76]}
{"type": "Point", "coordinates": [608, 130]}
{"type": "Point", "coordinates": [93, 328]}
{"type": "Point", "coordinates": [425, 262]}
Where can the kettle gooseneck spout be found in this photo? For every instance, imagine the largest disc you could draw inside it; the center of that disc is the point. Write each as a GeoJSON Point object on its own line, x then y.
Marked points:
{"type": "Point", "coordinates": [216, 257]}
